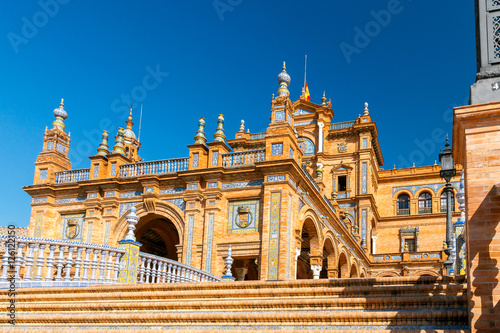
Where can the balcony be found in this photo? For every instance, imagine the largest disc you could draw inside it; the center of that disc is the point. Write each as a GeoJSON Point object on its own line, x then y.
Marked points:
{"type": "Point", "coordinates": [71, 176]}
{"type": "Point", "coordinates": [154, 167]}
{"type": "Point", "coordinates": [243, 157]}
{"type": "Point", "coordinates": [425, 210]}
{"type": "Point", "coordinates": [401, 212]}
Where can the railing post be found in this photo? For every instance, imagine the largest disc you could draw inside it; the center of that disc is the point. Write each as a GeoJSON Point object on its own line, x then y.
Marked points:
{"type": "Point", "coordinates": [86, 264]}
{"type": "Point", "coordinates": [78, 263]}
{"type": "Point", "coordinates": [39, 261]}
{"type": "Point", "coordinates": [50, 263]}
{"type": "Point", "coordinates": [94, 265]}
{"type": "Point", "coordinates": [116, 267]}
{"type": "Point", "coordinates": [69, 264]}
{"type": "Point", "coordinates": [5, 265]}
{"type": "Point", "coordinates": [130, 260]}
{"type": "Point", "coordinates": [29, 262]}
{"type": "Point", "coordinates": [102, 266]}
{"type": "Point", "coordinates": [60, 263]}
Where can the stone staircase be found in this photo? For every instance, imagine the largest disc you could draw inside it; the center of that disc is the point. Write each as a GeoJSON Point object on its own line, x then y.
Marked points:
{"type": "Point", "coordinates": [430, 304]}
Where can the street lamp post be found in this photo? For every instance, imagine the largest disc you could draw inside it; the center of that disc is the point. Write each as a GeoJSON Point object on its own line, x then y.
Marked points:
{"type": "Point", "coordinates": [447, 172]}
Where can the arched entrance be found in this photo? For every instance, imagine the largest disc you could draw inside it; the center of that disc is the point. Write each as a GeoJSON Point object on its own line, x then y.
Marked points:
{"type": "Point", "coordinates": [343, 266]}
{"type": "Point", "coordinates": [158, 236]}
{"type": "Point", "coordinates": [310, 248]}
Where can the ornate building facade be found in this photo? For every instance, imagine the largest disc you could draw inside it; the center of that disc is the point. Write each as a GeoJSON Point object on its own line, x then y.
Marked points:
{"type": "Point", "coordinates": [308, 198]}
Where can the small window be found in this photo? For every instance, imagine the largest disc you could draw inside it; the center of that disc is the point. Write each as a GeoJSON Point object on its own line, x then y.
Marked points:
{"type": "Point", "coordinates": [425, 203]}
{"type": "Point", "coordinates": [403, 205]}
{"type": "Point", "coordinates": [443, 202]}
{"type": "Point", "coordinates": [342, 183]}
{"type": "Point", "coordinates": [410, 244]}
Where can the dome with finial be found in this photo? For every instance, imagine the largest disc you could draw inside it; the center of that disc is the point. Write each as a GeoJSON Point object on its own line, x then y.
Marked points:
{"type": "Point", "coordinates": [60, 112]}
{"type": "Point", "coordinates": [283, 77]}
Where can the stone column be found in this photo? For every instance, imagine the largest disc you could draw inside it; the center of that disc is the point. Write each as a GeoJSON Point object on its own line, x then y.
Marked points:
{"type": "Point", "coordinates": [240, 273]}
{"type": "Point", "coordinates": [320, 137]}
{"type": "Point", "coordinates": [297, 255]}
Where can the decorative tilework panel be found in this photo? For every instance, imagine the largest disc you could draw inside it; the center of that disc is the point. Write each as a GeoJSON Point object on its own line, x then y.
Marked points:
{"type": "Point", "coordinates": [435, 255]}
{"type": "Point", "coordinates": [415, 256]}
{"type": "Point", "coordinates": [215, 157]}
{"type": "Point", "coordinates": [210, 239]}
{"type": "Point", "coordinates": [38, 225]}
{"type": "Point", "coordinates": [68, 200]}
{"type": "Point", "coordinates": [290, 153]}
{"type": "Point", "coordinates": [300, 112]}
{"type": "Point", "coordinates": [279, 115]}
{"type": "Point", "coordinates": [50, 145]}
{"type": "Point", "coordinates": [89, 233]}
{"type": "Point", "coordinates": [40, 200]}
{"type": "Point", "coordinates": [92, 195]}
{"type": "Point", "coordinates": [179, 202]}
{"type": "Point", "coordinates": [60, 148]}
{"type": "Point", "coordinates": [301, 204]}
{"type": "Point", "coordinates": [365, 143]}
{"type": "Point", "coordinates": [212, 185]}
{"type": "Point", "coordinates": [72, 226]}
{"type": "Point", "coordinates": [307, 146]}
{"type": "Point", "coordinates": [289, 237]}
{"type": "Point", "coordinates": [149, 189]}
{"type": "Point", "coordinates": [173, 190]}
{"type": "Point", "coordinates": [192, 186]}
{"type": "Point", "coordinates": [304, 123]}
{"type": "Point", "coordinates": [278, 178]}
{"type": "Point", "coordinates": [397, 257]}
{"type": "Point", "coordinates": [277, 149]}
{"type": "Point", "coordinates": [131, 194]}
{"type": "Point", "coordinates": [243, 216]}
{"type": "Point", "coordinates": [363, 224]}
{"type": "Point", "coordinates": [96, 171]}
{"type": "Point", "coordinates": [364, 170]}
{"type": "Point", "coordinates": [106, 233]}
{"type": "Point", "coordinates": [413, 189]}
{"type": "Point", "coordinates": [113, 169]}
{"type": "Point", "coordinates": [196, 159]}
{"type": "Point", "coordinates": [274, 234]}
{"type": "Point", "coordinates": [242, 184]}
{"type": "Point", "coordinates": [291, 181]}
{"type": "Point", "coordinates": [126, 206]}
{"type": "Point", "coordinates": [353, 204]}
{"type": "Point", "coordinates": [189, 239]}
{"type": "Point", "coordinates": [43, 174]}
{"type": "Point", "coordinates": [109, 194]}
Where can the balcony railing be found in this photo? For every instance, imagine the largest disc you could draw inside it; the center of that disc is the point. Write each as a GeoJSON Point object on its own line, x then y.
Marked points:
{"type": "Point", "coordinates": [258, 136]}
{"type": "Point", "coordinates": [154, 167]}
{"type": "Point", "coordinates": [243, 157]}
{"type": "Point", "coordinates": [40, 262]}
{"type": "Point", "coordinates": [403, 212]}
{"type": "Point", "coordinates": [311, 179]}
{"type": "Point", "coordinates": [345, 124]}
{"type": "Point", "coordinates": [70, 176]}
{"type": "Point", "coordinates": [425, 210]}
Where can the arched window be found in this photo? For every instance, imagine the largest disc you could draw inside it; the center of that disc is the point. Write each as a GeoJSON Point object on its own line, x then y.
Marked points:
{"type": "Point", "coordinates": [443, 202]}
{"type": "Point", "coordinates": [403, 205]}
{"type": "Point", "coordinates": [307, 146]}
{"type": "Point", "coordinates": [425, 203]}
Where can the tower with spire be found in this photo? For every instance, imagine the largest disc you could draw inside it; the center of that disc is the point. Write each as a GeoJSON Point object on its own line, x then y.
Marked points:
{"type": "Point", "coordinates": [54, 155]}
{"type": "Point", "coordinates": [130, 143]}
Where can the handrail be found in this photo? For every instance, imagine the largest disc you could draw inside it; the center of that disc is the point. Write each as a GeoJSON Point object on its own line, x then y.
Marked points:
{"type": "Point", "coordinates": [345, 124]}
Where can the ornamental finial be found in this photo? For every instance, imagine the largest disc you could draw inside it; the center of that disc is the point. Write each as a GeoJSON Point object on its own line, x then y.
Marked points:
{"type": "Point", "coordinates": [132, 220]}
{"type": "Point", "coordinates": [242, 126]}
{"type": "Point", "coordinates": [323, 99]}
{"type": "Point", "coordinates": [129, 120]}
{"type": "Point", "coordinates": [229, 262]}
{"type": "Point", "coordinates": [61, 115]}
{"type": "Point", "coordinates": [284, 81]}
{"type": "Point", "coordinates": [103, 149]}
{"type": "Point", "coordinates": [219, 133]}
{"type": "Point", "coordinates": [366, 112]}
{"type": "Point", "coordinates": [119, 148]}
{"type": "Point", "coordinates": [200, 133]}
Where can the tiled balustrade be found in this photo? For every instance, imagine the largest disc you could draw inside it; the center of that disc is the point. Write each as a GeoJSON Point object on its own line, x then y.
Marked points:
{"type": "Point", "coordinates": [243, 157]}
{"type": "Point", "coordinates": [154, 167]}
{"type": "Point", "coordinates": [70, 176]}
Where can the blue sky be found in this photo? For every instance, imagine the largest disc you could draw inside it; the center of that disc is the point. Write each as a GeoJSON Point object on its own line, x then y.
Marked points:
{"type": "Point", "coordinates": [413, 61]}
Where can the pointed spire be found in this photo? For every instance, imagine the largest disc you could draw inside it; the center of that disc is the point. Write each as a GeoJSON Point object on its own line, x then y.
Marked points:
{"type": "Point", "coordinates": [219, 133]}
{"type": "Point", "coordinates": [284, 81]}
{"type": "Point", "coordinates": [129, 120]}
{"type": "Point", "coordinates": [323, 99]}
{"type": "Point", "coordinates": [366, 112]}
{"type": "Point", "coordinates": [200, 133]}
{"type": "Point", "coordinates": [119, 148]}
{"type": "Point", "coordinates": [242, 126]}
{"type": "Point", "coordinates": [61, 115]}
{"type": "Point", "coordinates": [103, 149]}
{"type": "Point", "coordinates": [447, 145]}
